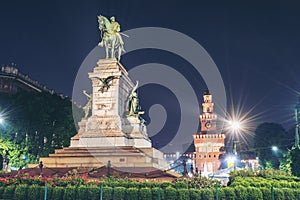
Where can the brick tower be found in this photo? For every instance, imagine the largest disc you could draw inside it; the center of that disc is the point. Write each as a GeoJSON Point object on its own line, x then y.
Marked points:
{"type": "Point", "coordinates": [209, 142]}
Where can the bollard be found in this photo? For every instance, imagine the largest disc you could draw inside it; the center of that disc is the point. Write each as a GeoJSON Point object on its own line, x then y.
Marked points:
{"type": "Point", "coordinates": [45, 193]}
{"type": "Point", "coordinates": [158, 193]}
{"type": "Point", "coordinates": [217, 192]}
{"type": "Point", "coordinates": [273, 193]}
{"type": "Point", "coordinates": [101, 191]}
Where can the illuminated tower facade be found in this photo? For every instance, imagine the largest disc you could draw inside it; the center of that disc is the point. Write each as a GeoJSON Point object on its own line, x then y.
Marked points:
{"type": "Point", "coordinates": [209, 142]}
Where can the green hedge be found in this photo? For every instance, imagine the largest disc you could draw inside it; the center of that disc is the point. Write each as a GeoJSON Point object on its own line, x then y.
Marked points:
{"type": "Point", "coordinates": [145, 193]}
{"type": "Point", "coordinates": [92, 192]}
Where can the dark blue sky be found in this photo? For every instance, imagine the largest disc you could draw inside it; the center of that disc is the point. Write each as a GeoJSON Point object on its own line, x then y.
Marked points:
{"type": "Point", "coordinates": [255, 44]}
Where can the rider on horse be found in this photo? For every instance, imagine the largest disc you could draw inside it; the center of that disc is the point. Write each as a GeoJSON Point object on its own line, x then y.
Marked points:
{"type": "Point", "coordinates": [115, 29]}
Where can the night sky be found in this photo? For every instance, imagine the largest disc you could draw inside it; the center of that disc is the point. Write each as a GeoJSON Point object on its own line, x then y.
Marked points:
{"type": "Point", "coordinates": [255, 45]}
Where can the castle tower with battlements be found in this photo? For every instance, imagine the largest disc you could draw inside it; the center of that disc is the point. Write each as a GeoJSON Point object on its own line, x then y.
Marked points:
{"type": "Point", "coordinates": [209, 142]}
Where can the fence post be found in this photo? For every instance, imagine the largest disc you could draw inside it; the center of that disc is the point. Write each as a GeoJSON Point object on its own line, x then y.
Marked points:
{"type": "Point", "coordinates": [273, 193]}
{"type": "Point", "coordinates": [101, 191]}
{"type": "Point", "coordinates": [158, 193]}
{"type": "Point", "coordinates": [217, 192]}
{"type": "Point", "coordinates": [45, 193]}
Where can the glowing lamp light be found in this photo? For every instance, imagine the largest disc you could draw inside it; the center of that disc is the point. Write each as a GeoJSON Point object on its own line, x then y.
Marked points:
{"type": "Point", "coordinates": [235, 125]}
{"type": "Point", "coordinates": [1, 120]}
{"type": "Point", "coordinates": [274, 148]}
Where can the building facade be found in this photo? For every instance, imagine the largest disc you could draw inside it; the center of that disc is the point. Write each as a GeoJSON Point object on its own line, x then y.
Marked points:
{"type": "Point", "coordinates": [209, 142]}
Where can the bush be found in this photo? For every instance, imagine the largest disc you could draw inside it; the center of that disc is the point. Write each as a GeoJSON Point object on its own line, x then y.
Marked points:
{"type": "Point", "coordinates": [195, 194]}
{"type": "Point", "coordinates": [20, 192]}
{"type": "Point", "coordinates": [164, 185]}
{"type": "Point", "coordinates": [181, 184]}
{"type": "Point", "coordinates": [57, 193]}
{"type": "Point", "coordinates": [93, 192]}
{"type": "Point", "coordinates": [266, 192]}
{"type": "Point", "coordinates": [157, 191]}
{"type": "Point", "coordinates": [145, 194]}
{"type": "Point", "coordinates": [288, 193]}
{"type": "Point", "coordinates": [82, 192]}
{"type": "Point", "coordinates": [132, 194]}
{"type": "Point", "coordinates": [8, 192]}
{"type": "Point", "coordinates": [170, 193]}
{"type": "Point", "coordinates": [119, 193]}
{"type": "Point", "coordinates": [107, 193]}
{"type": "Point", "coordinates": [279, 195]}
{"type": "Point", "coordinates": [183, 194]}
{"type": "Point", "coordinates": [207, 194]}
{"type": "Point", "coordinates": [34, 192]}
{"type": "Point", "coordinates": [221, 194]}
{"type": "Point", "coordinates": [254, 193]}
{"type": "Point", "coordinates": [229, 193]}
{"type": "Point", "coordinates": [70, 193]}
{"type": "Point", "coordinates": [241, 193]}
{"type": "Point", "coordinates": [1, 191]}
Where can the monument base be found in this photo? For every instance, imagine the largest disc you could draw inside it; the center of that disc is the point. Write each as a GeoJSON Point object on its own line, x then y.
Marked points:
{"type": "Point", "coordinates": [128, 156]}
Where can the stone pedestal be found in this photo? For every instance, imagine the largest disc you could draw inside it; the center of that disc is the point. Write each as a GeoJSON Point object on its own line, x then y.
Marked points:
{"type": "Point", "coordinates": [110, 133]}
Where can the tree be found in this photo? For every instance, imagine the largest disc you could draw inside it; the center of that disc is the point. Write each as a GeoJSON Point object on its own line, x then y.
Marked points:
{"type": "Point", "coordinates": [266, 136]}
{"type": "Point", "coordinates": [37, 122]}
{"type": "Point", "coordinates": [295, 160]}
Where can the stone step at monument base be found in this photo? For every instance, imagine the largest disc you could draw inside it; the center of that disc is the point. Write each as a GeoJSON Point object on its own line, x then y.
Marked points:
{"type": "Point", "coordinates": [99, 156]}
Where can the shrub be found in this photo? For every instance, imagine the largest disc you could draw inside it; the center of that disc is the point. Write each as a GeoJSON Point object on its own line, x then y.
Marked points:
{"type": "Point", "coordinates": [145, 194]}
{"type": "Point", "coordinates": [70, 193]}
{"type": "Point", "coordinates": [297, 194]}
{"type": "Point", "coordinates": [183, 194]}
{"type": "Point", "coordinates": [207, 194]}
{"type": "Point", "coordinates": [157, 191]}
{"type": "Point", "coordinates": [166, 184]}
{"type": "Point", "coordinates": [81, 192]}
{"type": "Point", "coordinates": [93, 192]}
{"type": "Point", "coordinates": [1, 191]}
{"type": "Point", "coordinates": [170, 193]}
{"type": "Point", "coordinates": [229, 193]}
{"type": "Point", "coordinates": [288, 193]}
{"type": "Point", "coordinates": [195, 194]}
{"type": "Point", "coordinates": [34, 192]}
{"type": "Point", "coordinates": [20, 192]}
{"type": "Point", "coordinates": [266, 192]}
{"type": "Point", "coordinates": [254, 193]}
{"type": "Point", "coordinates": [221, 194]}
{"type": "Point", "coordinates": [107, 193]}
{"type": "Point", "coordinates": [132, 194]}
{"type": "Point", "coordinates": [119, 193]}
{"type": "Point", "coordinates": [181, 184]}
{"type": "Point", "coordinates": [8, 192]}
{"type": "Point", "coordinates": [57, 193]}
{"type": "Point", "coordinates": [241, 193]}
{"type": "Point", "coordinates": [279, 195]}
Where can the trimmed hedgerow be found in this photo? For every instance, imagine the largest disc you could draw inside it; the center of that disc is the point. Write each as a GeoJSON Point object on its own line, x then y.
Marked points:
{"type": "Point", "coordinates": [279, 195]}
{"type": "Point", "coordinates": [157, 191]}
{"type": "Point", "coordinates": [93, 192]}
{"type": "Point", "coordinates": [70, 193]}
{"type": "Point", "coordinates": [254, 193]}
{"type": "Point", "coordinates": [266, 192]}
{"type": "Point", "coordinates": [107, 193]}
{"type": "Point", "coordinates": [119, 193]}
{"type": "Point", "coordinates": [183, 194]}
{"type": "Point", "coordinates": [81, 192]}
{"type": "Point", "coordinates": [8, 192]}
{"type": "Point", "coordinates": [145, 194]}
{"type": "Point", "coordinates": [171, 193]}
{"type": "Point", "coordinates": [288, 193]}
{"type": "Point", "coordinates": [195, 194]}
{"type": "Point", "coordinates": [34, 192]}
{"type": "Point", "coordinates": [229, 193]}
{"type": "Point", "coordinates": [241, 193]}
{"type": "Point", "coordinates": [207, 194]}
{"type": "Point", "coordinates": [132, 194]}
{"type": "Point", "coordinates": [58, 193]}
{"type": "Point", "coordinates": [20, 192]}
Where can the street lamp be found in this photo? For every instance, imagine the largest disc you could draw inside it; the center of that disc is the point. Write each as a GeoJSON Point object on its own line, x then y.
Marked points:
{"type": "Point", "coordinates": [234, 126]}
{"type": "Point", "coordinates": [274, 148]}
